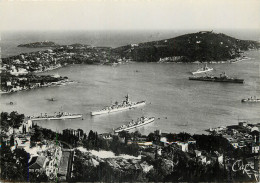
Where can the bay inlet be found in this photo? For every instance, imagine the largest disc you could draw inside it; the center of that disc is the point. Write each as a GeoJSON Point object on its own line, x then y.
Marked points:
{"type": "Point", "coordinates": [176, 103]}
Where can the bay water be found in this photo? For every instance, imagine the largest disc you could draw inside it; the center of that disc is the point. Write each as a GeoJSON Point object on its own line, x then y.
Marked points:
{"type": "Point", "coordinates": [178, 104]}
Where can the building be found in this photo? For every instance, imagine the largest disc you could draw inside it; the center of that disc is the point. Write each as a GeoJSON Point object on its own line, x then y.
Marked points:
{"type": "Point", "coordinates": [106, 136]}
{"type": "Point", "coordinates": [191, 140]}
{"type": "Point", "coordinates": [255, 148]}
{"type": "Point", "coordinates": [184, 146]}
{"type": "Point", "coordinates": [244, 124]}
{"type": "Point", "coordinates": [22, 142]}
{"type": "Point", "coordinates": [145, 143]}
{"type": "Point", "coordinates": [26, 126]}
{"type": "Point", "coordinates": [254, 129]}
{"type": "Point", "coordinates": [37, 163]}
{"type": "Point", "coordinates": [198, 153]}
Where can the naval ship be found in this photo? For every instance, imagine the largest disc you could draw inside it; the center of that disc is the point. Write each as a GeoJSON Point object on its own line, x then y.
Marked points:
{"type": "Point", "coordinates": [140, 122]}
{"type": "Point", "coordinates": [126, 104]}
{"type": "Point", "coordinates": [56, 116]}
{"type": "Point", "coordinates": [222, 78]}
{"type": "Point", "coordinates": [251, 100]}
{"type": "Point", "coordinates": [203, 70]}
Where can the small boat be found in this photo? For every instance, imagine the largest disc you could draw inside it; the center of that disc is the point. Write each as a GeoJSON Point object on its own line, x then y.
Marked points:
{"type": "Point", "coordinates": [251, 100]}
{"type": "Point", "coordinates": [56, 75]}
{"type": "Point", "coordinates": [186, 124]}
{"type": "Point", "coordinates": [140, 122]}
{"type": "Point", "coordinates": [10, 103]}
{"type": "Point", "coordinates": [203, 70]}
{"type": "Point", "coordinates": [3, 92]}
{"type": "Point", "coordinates": [51, 99]}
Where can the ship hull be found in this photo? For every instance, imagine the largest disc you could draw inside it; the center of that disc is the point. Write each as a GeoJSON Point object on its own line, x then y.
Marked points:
{"type": "Point", "coordinates": [118, 109]}
{"type": "Point", "coordinates": [38, 119]}
{"type": "Point", "coordinates": [241, 81]}
{"type": "Point", "coordinates": [57, 118]}
{"type": "Point", "coordinates": [250, 101]}
{"type": "Point", "coordinates": [136, 126]}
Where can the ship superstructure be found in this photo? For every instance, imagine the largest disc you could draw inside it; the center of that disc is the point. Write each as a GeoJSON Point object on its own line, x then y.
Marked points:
{"type": "Point", "coordinates": [203, 70]}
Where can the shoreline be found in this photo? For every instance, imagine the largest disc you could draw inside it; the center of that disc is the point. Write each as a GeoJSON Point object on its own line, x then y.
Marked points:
{"type": "Point", "coordinates": [52, 84]}
{"type": "Point", "coordinates": [231, 61]}
{"type": "Point", "coordinates": [235, 60]}
{"type": "Point", "coordinates": [50, 69]}
{"type": "Point", "coordinates": [65, 82]}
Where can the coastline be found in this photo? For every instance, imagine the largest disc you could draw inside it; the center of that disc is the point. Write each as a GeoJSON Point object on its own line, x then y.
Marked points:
{"type": "Point", "coordinates": [65, 82]}
{"type": "Point", "coordinates": [50, 69]}
{"type": "Point", "coordinates": [230, 61]}
{"type": "Point", "coordinates": [58, 83]}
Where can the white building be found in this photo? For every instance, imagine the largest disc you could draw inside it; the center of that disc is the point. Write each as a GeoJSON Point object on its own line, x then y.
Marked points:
{"type": "Point", "coordinates": [255, 149]}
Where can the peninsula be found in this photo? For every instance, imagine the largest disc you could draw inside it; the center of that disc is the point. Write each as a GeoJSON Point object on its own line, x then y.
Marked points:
{"type": "Point", "coordinates": [39, 44]}
{"type": "Point", "coordinates": [204, 46]}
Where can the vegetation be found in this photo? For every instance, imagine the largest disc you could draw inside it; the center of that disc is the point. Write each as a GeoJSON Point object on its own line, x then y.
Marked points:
{"type": "Point", "coordinates": [201, 46]}
{"type": "Point", "coordinates": [13, 120]}
{"type": "Point", "coordinates": [27, 81]}
{"type": "Point", "coordinates": [39, 44]}
{"type": "Point", "coordinates": [171, 165]}
{"type": "Point", "coordinates": [14, 165]}
{"type": "Point", "coordinates": [115, 144]}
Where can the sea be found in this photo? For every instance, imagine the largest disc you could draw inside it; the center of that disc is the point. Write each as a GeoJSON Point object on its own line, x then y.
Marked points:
{"type": "Point", "coordinates": [178, 104]}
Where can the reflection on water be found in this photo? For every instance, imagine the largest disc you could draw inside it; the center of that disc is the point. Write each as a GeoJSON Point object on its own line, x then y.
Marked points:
{"type": "Point", "coordinates": [180, 104]}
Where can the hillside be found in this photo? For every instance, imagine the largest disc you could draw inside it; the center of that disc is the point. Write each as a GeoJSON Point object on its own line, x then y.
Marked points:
{"type": "Point", "coordinates": [200, 46]}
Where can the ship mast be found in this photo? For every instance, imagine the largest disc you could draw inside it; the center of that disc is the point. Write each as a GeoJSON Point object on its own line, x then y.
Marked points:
{"type": "Point", "coordinates": [127, 99]}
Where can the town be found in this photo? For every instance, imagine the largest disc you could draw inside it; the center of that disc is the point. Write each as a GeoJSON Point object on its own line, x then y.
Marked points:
{"type": "Point", "coordinates": [57, 57]}
{"type": "Point", "coordinates": [18, 72]}
{"type": "Point", "coordinates": [32, 153]}
{"type": "Point", "coordinates": [13, 83]}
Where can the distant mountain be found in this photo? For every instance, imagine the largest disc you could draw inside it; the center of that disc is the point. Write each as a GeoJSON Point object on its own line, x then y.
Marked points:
{"type": "Point", "coordinates": [39, 44]}
{"type": "Point", "coordinates": [200, 46]}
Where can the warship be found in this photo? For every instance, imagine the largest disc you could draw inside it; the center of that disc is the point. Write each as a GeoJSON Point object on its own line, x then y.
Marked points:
{"type": "Point", "coordinates": [222, 78]}
{"type": "Point", "coordinates": [125, 105]}
{"type": "Point", "coordinates": [251, 100]}
{"type": "Point", "coordinates": [140, 122]}
{"type": "Point", "coordinates": [56, 116]}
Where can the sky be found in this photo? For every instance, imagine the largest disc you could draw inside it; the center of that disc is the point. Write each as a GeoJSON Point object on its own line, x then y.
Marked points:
{"type": "Point", "coordinates": [129, 15]}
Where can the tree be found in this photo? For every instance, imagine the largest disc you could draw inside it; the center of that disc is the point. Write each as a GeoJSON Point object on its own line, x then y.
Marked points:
{"type": "Point", "coordinates": [37, 136]}
{"type": "Point", "coordinates": [38, 177]}
{"type": "Point", "coordinates": [12, 140]}
{"type": "Point", "coordinates": [5, 122]}
{"type": "Point", "coordinates": [16, 119]}
{"type": "Point", "coordinates": [14, 165]}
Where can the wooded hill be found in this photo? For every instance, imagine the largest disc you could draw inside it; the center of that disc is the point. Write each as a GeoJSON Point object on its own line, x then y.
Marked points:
{"type": "Point", "coordinates": [200, 46]}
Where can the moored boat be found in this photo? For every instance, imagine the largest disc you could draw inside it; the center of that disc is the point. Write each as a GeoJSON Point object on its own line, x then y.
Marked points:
{"type": "Point", "coordinates": [125, 105]}
{"type": "Point", "coordinates": [140, 122]}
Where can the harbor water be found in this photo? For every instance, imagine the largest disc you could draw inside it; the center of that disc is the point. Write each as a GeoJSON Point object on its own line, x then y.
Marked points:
{"type": "Point", "coordinates": [178, 104]}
